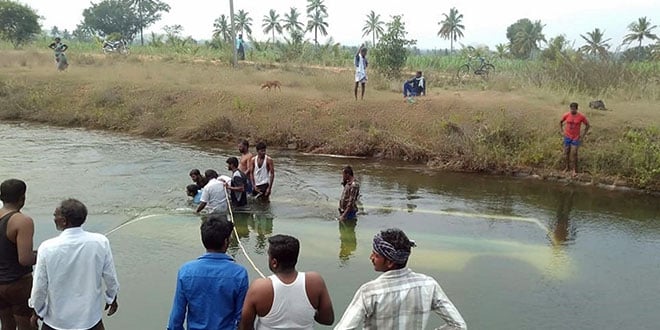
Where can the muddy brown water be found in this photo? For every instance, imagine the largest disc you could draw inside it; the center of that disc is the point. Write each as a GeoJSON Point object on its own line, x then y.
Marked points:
{"type": "Point", "coordinates": [510, 253]}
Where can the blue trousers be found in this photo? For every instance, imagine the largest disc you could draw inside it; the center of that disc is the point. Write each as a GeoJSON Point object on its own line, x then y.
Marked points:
{"type": "Point", "coordinates": [408, 90]}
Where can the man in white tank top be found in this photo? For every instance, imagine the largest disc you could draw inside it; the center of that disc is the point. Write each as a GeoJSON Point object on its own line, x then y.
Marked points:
{"type": "Point", "coordinates": [288, 299]}
{"type": "Point", "coordinates": [262, 173]}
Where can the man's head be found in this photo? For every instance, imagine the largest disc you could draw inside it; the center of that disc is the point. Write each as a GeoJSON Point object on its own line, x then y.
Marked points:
{"type": "Point", "coordinates": [57, 39]}
{"type": "Point", "coordinates": [191, 190]}
{"type": "Point", "coordinates": [243, 146]}
{"type": "Point", "coordinates": [418, 74]}
{"type": "Point", "coordinates": [195, 175]}
{"type": "Point", "coordinates": [216, 230]}
{"type": "Point", "coordinates": [363, 51]}
{"type": "Point", "coordinates": [574, 107]}
{"type": "Point", "coordinates": [12, 191]}
{"type": "Point", "coordinates": [240, 36]}
{"type": "Point", "coordinates": [261, 149]}
{"type": "Point", "coordinates": [347, 173]}
{"type": "Point", "coordinates": [391, 249]}
{"type": "Point", "coordinates": [232, 163]}
{"type": "Point", "coordinates": [210, 174]}
{"type": "Point", "coordinates": [71, 213]}
{"type": "Point", "coordinates": [283, 253]}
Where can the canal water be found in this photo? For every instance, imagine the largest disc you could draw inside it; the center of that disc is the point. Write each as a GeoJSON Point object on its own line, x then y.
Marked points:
{"type": "Point", "coordinates": [510, 253]}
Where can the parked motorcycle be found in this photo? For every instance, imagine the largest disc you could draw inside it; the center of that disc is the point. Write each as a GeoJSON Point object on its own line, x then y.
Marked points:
{"type": "Point", "coordinates": [116, 47]}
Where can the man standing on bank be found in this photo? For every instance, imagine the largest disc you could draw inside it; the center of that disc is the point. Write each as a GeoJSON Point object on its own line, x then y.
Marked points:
{"type": "Point", "coordinates": [210, 290]}
{"type": "Point", "coordinates": [16, 257]}
{"type": "Point", "coordinates": [573, 121]}
{"type": "Point", "coordinates": [67, 291]}
{"type": "Point", "coordinates": [399, 298]}
{"type": "Point", "coordinates": [288, 299]}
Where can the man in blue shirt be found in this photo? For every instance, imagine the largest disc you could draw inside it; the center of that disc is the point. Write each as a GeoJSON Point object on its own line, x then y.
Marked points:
{"type": "Point", "coordinates": [211, 289]}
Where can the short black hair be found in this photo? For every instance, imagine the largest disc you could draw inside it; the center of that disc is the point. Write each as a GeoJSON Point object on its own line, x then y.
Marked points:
{"type": "Point", "coordinates": [192, 189]}
{"type": "Point", "coordinates": [398, 239]}
{"type": "Point", "coordinates": [12, 190]}
{"type": "Point", "coordinates": [215, 230]}
{"type": "Point", "coordinates": [74, 211]}
{"type": "Point", "coordinates": [285, 249]}
{"type": "Point", "coordinates": [245, 143]}
{"type": "Point", "coordinates": [232, 161]}
{"type": "Point", "coordinates": [195, 172]}
{"type": "Point", "coordinates": [573, 105]}
{"type": "Point", "coordinates": [348, 170]}
{"type": "Point", "coordinates": [261, 146]}
{"type": "Point", "coordinates": [210, 174]}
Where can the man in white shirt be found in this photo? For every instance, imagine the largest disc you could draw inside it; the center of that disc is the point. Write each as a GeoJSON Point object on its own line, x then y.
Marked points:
{"type": "Point", "coordinates": [399, 298]}
{"type": "Point", "coordinates": [214, 196]}
{"type": "Point", "coordinates": [67, 290]}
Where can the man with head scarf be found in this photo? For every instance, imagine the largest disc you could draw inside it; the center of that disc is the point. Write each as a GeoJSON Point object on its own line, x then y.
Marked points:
{"type": "Point", "coordinates": [399, 298]}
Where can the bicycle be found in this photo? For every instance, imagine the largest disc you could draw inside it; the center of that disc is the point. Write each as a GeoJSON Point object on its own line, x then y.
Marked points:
{"type": "Point", "coordinates": [465, 70]}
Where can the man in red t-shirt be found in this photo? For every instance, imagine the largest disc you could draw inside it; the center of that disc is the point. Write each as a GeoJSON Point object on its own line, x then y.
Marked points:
{"type": "Point", "coordinates": [571, 133]}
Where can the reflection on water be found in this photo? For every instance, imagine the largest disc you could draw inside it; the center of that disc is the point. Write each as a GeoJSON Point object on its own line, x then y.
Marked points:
{"type": "Point", "coordinates": [563, 231]}
{"type": "Point", "coordinates": [348, 241]}
{"type": "Point", "coordinates": [259, 222]}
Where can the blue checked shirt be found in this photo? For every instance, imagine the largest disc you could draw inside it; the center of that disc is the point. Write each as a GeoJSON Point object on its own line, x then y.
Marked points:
{"type": "Point", "coordinates": [399, 299]}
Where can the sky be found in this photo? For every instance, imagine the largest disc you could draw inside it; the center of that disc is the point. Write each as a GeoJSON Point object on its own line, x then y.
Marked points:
{"type": "Point", "coordinates": [485, 21]}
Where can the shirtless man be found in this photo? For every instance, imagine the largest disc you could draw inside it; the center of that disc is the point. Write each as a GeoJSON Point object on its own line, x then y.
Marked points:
{"type": "Point", "coordinates": [244, 162]}
{"type": "Point", "coordinates": [262, 173]}
{"type": "Point", "coordinates": [16, 257]}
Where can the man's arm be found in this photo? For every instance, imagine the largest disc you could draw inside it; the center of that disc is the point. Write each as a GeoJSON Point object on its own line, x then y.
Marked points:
{"type": "Point", "coordinates": [39, 291]}
{"type": "Point", "coordinates": [271, 169]}
{"type": "Point", "coordinates": [179, 306]}
{"type": "Point", "coordinates": [442, 306]}
{"type": "Point", "coordinates": [251, 172]}
{"type": "Point", "coordinates": [324, 312]}
{"type": "Point", "coordinates": [586, 127]}
{"type": "Point", "coordinates": [24, 235]}
{"type": "Point", "coordinates": [203, 200]}
{"type": "Point", "coordinates": [111, 283]}
{"type": "Point", "coordinates": [252, 298]}
{"type": "Point", "coordinates": [354, 315]}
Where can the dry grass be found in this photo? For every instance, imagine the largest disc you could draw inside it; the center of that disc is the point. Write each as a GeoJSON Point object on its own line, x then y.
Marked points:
{"type": "Point", "coordinates": [483, 126]}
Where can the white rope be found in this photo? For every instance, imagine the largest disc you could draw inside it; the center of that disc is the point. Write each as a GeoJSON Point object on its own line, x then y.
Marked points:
{"type": "Point", "coordinates": [238, 239]}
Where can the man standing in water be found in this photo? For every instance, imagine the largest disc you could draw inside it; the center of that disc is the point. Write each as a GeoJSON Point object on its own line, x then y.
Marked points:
{"type": "Point", "coordinates": [361, 64]}
{"type": "Point", "coordinates": [237, 186]}
{"type": "Point", "coordinates": [210, 290]}
{"type": "Point", "coordinates": [67, 291]}
{"type": "Point", "coordinates": [16, 257]}
{"type": "Point", "coordinates": [399, 298]}
{"type": "Point", "coordinates": [571, 133]}
{"type": "Point", "coordinates": [262, 173]}
{"type": "Point", "coordinates": [288, 299]}
{"type": "Point", "coordinates": [244, 162]}
{"type": "Point", "coordinates": [349, 196]}
{"type": "Point", "coordinates": [214, 197]}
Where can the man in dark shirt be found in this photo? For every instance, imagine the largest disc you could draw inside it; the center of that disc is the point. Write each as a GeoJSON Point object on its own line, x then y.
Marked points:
{"type": "Point", "coordinates": [238, 182]}
{"type": "Point", "coordinates": [415, 86]}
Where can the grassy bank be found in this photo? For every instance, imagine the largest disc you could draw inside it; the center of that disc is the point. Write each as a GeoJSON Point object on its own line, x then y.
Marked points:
{"type": "Point", "coordinates": [492, 126]}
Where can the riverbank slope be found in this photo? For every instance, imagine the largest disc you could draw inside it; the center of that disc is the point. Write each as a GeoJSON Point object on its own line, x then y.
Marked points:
{"type": "Point", "coordinates": [492, 126]}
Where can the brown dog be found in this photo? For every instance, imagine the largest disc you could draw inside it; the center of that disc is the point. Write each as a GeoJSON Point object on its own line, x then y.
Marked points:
{"type": "Point", "coordinates": [271, 84]}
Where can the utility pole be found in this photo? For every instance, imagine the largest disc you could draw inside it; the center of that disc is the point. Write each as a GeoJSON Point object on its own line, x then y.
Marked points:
{"type": "Point", "coordinates": [233, 32]}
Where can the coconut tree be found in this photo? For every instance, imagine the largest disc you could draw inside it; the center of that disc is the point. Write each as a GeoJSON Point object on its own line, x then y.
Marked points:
{"type": "Point", "coordinates": [317, 24]}
{"type": "Point", "coordinates": [271, 23]}
{"type": "Point", "coordinates": [374, 26]}
{"type": "Point", "coordinates": [527, 38]}
{"type": "Point", "coordinates": [292, 21]}
{"type": "Point", "coordinates": [316, 6]}
{"type": "Point", "coordinates": [451, 27]}
{"type": "Point", "coordinates": [595, 43]}
{"type": "Point", "coordinates": [639, 31]}
{"type": "Point", "coordinates": [243, 22]}
{"type": "Point", "coordinates": [221, 28]}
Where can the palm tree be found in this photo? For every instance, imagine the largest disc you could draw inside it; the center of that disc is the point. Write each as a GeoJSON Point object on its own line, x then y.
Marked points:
{"type": "Point", "coordinates": [291, 21]}
{"type": "Point", "coordinates": [271, 23]}
{"type": "Point", "coordinates": [221, 28]}
{"type": "Point", "coordinates": [451, 27]}
{"type": "Point", "coordinates": [317, 23]}
{"type": "Point", "coordinates": [243, 22]}
{"type": "Point", "coordinates": [374, 26]}
{"type": "Point", "coordinates": [528, 38]}
{"type": "Point", "coordinates": [640, 30]}
{"type": "Point", "coordinates": [595, 45]}
{"type": "Point", "coordinates": [502, 50]}
{"type": "Point", "coordinates": [314, 6]}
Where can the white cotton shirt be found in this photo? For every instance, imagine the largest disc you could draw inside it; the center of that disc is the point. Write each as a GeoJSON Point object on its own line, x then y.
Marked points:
{"type": "Point", "coordinates": [215, 196]}
{"type": "Point", "coordinates": [67, 288]}
{"type": "Point", "coordinates": [261, 174]}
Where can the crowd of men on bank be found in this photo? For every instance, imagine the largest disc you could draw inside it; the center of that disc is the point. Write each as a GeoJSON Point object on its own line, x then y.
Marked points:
{"type": "Point", "coordinates": [74, 277]}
